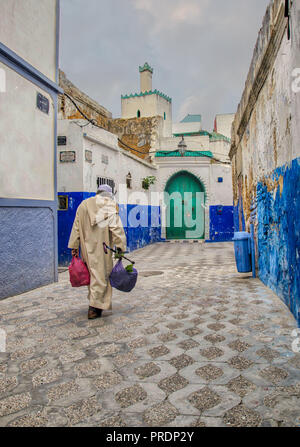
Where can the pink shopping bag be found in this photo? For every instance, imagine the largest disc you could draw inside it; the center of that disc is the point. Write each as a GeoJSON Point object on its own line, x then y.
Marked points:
{"type": "Point", "coordinates": [79, 274]}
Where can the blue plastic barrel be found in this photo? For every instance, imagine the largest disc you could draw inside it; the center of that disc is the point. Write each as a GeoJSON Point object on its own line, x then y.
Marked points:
{"type": "Point", "coordinates": [242, 249]}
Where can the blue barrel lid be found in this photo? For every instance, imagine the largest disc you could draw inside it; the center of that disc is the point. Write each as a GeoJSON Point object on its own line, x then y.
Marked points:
{"type": "Point", "coordinates": [241, 236]}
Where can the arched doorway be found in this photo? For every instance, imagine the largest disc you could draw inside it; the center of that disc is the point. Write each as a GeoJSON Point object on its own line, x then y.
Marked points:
{"type": "Point", "coordinates": [185, 213]}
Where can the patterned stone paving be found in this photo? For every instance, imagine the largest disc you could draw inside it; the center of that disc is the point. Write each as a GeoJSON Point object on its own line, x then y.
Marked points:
{"type": "Point", "coordinates": [199, 345]}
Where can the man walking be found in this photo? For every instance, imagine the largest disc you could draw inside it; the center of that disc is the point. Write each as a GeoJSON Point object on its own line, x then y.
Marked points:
{"type": "Point", "coordinates": [97, 221]}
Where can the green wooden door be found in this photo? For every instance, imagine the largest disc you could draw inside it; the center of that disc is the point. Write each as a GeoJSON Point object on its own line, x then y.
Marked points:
{"type": "Point", "coordinates": [186, 206]}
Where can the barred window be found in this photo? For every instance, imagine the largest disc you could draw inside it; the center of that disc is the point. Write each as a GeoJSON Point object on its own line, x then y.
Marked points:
{"type": "Point", "coordinates": [128, 181]}
{"type": "Point", "coordinates": [106, 181]}
{"type": "Point", "coordinates": [63, 203]}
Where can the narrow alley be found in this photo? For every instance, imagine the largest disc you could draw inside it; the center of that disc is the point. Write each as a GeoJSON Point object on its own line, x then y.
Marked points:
{"type": "Point", "coordinates": [194, 344]}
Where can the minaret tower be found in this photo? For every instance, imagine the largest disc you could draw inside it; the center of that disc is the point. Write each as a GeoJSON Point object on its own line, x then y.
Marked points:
{"type": "Point", "coordinates": [146, 78]}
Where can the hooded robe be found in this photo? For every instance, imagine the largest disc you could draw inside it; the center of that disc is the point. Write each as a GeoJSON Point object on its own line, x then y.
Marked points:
{"type": "Point", "coordinates": [97, 221]}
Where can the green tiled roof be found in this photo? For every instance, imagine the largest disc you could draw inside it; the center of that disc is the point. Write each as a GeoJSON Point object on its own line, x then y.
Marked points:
{"type": "Point", "coordinates": [214, 136]}
{"type": "Point", "coordinates": [200, 133]}
{"type": "Point", "coordinates": [192, 119]}
{"type": "Point", "coordinates": [187, 154]}
{"type": "Point", "coordinates": [146, 67]}
{"type": "Point", "coordinates": [150, 92]}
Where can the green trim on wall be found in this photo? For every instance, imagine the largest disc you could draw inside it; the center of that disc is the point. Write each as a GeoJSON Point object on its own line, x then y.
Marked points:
{"type": "Point", "coordinates": [146, 67]}
{"type": "Point", "coordinates": [150, 92]}
{"type": "Point", "coordinates": [187, 154]}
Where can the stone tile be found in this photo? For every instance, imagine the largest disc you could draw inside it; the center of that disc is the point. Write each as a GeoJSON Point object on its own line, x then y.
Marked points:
{"type": "Point", "coordinates": [113, 421]}
{"type": "Point", "coordinates": [124, 359]}
{"type": "Point", "coordinates": [274, 374]}
{"type": "Point", "coordinates": [241, 386]}
{"type": "Point", "coordinates": [241, 416]}
{"type": "Point", "coordinates": [239, 346]}
{"type": "Point", "coordinates": [181, 361]}
{"type": "Point", "coordinates": [60, 391]}
{"type": "Point", "coordinates": [82, 410]}
{"type": "Point", "coordinates": [211, 352]}
{"type": "Point", "coordinates": [14, 403]}
{"type": "Point", "coordinates": [209, 372]}
{"type": "Point", "coordinates": [34, 364]}
{"type": "Point", "coordinates": [107, 349]}
{"type": "Point", "coordinates": [169, 336]}
{"type": "Point", "coordinates": [107, 380]}
{"type": "Point", "coordinates": [147, 370]}
{"type": "Point", "coordinates": [240, 363]}
{"type": "Point", "coordinates": [188, 344]}
{"type": "Point", "coordinates": [268, 354]}
{"type": "Point", "coordinates": [216, 326]}
{"type": "Point", "coordinates": [130, 396]}
{"type": "Point", "coordinates": [173, 383]}
{"type": "Point", "coordinates": [160, 414]}
{"type": "Point", "coordinates": [158, 351]}
{"type": "Point", "coordinates": [192, 332]}
{"type": "Point", "coordinates": [204, 399]}
{"type": "Point", "coordinates": [46, 376]}
{"type": "Point", "coordinates": [215, 338]}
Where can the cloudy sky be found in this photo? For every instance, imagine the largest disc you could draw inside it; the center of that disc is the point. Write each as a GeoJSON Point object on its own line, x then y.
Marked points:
{"type": "Point", "coordinates": [200, 50]}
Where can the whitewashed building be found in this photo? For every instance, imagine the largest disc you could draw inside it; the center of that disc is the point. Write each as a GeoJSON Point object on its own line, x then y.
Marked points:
{"type": "Point", "coordinates": [29, 37]}
{"type": "Point", "coordinates": [89, 156]}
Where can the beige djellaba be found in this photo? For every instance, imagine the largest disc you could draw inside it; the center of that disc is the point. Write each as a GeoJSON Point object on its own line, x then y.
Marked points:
{"type": "Point", "coordinates": [97, 221]}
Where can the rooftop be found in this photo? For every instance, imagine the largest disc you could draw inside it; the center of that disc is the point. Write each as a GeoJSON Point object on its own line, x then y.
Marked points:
{"type": "Point", "coordinates": [192, 119]}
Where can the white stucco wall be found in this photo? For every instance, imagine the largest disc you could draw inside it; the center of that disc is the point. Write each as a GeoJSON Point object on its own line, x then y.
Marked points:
{"type": "Point", "coordinates": [28, 27]}
{"type": "Point", "coordinates": [27, 141]}
{"type": "Point", "coordinates": [220, 149]}
{"type": "Point", "coordinates": [82, 175]}
{"type": "Point", "coordinates": [224, 124]}
{"type": "Point", "coordinates": [150, 105]}
{"type": "Point", "coordinates": [70, 175]}
{"type": "Point", "coordinates": [186, 128]}
{"type": "Point", "coordinates": [220, 193]}
{"type": "Point", "coordinates": [194, 143]}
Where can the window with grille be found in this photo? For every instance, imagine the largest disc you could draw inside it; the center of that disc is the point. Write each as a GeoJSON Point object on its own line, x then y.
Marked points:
{"type": "Point", "coordinates": [128, 181]}
{"type": "Point", "coordinates": [106, 181]}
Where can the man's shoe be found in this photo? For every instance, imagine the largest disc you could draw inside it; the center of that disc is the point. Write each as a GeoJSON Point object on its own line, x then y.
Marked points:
{"type": "Point", "coordinates": [94, 313]}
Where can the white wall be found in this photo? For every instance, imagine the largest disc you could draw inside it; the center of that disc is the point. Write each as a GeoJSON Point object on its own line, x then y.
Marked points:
{"type": "Point", "coordinates": [221, 193]}
{"type": "Point", "coordinates": [149, 105]}
{"type": "Point", "coordinates": [82, 175]}
{"type": "Point", "coordinates": [224, 124]}
{"type": "Point", "coordinates": [27, 141]}
{"type": "Point", "coordinates": [186, 128]}
{"type": "Point", "coordinates": [70, 175]}
{"type": "Point", "coordinates": [28, 27]}
{"type": "Point", "coordinates": [196, 143]}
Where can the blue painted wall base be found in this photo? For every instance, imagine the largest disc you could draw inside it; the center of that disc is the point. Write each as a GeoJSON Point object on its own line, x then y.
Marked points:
{"type": "Point", "coordinates": [278, 235]}
{"type": "Point", "coordinates": [147, 233]}
{"type": "Point", "coordinates": [27, 258]}
{"type": "Point", "coordinates": [221, 223]}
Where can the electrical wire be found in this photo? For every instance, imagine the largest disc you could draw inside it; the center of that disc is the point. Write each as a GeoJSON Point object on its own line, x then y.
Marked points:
{"type": "Point", "coordinates": [94, 123]}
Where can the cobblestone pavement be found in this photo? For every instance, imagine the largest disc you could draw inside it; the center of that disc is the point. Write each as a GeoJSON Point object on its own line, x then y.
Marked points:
{"type": "Point", "coordinates": [195, 344]}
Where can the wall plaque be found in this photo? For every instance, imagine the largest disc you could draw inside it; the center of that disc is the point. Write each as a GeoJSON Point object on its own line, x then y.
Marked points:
{"type": "Point", "coordinates": [61, 141]}
{"type": "Point", "coordinates": [67, 156]}
{"type": "Point", "coordinates": [42, 103]}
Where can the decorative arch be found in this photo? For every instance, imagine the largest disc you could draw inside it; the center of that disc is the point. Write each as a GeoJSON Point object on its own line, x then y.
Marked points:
{"type": "Point", "coordinates": [193, 172]}
{"type": "Point", "coordinates": [164, 182]}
